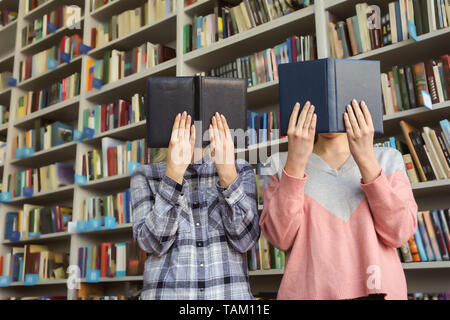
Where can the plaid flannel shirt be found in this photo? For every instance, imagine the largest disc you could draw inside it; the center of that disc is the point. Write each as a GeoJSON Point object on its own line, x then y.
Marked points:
{"type": "Point", "coordinates": [196, 249]}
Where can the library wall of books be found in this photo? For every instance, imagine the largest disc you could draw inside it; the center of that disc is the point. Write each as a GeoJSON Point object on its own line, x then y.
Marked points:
{"type": "Point", "coordinates": [72, 122]}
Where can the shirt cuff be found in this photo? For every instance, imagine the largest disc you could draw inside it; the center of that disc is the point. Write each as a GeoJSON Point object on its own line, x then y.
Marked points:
{"type": "Point", "coordinates": [234, 192]}
{"type": "Point", "coordinates": [171, 190]}
{"type": "Point", "coordinates": [291, 186]}
{"type": "Point", "coordinates": [375, 187]}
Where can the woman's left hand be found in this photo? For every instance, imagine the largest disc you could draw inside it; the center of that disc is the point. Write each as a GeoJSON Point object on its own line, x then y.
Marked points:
{"type": "Point", "coordinates": [360, 133]}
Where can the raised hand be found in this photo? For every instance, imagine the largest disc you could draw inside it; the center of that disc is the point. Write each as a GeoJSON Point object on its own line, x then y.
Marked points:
{"type": "Point", "coordinates": [181, 147]}
{"type": "Point", "coordinates": [360, 133]}
{"type": "Point", "coordinates": [300, 139]}
{"type": "Point", "coordinates": [222, 150]}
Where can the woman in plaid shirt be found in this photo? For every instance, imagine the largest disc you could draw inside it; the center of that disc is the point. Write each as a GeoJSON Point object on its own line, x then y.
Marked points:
{"type": "Point", "coordinates": [196, 219]}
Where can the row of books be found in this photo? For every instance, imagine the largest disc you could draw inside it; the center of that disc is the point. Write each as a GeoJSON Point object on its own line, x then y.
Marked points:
{"type": "Point", "coordinates": [117, 65]}
{"type": "Point", "coordinates": [4, 114]}
{"type": "Point", "coordinates": [35, 220]}
{"type": "Point", "coordinates": [4, 76]}
{"type": "Point", "coordinates": [7, 15]}
{"type": "Point", "coordinates": [63, 90]}
{"type": "Point", "coordinates": [34, 259]}
{"type": "Point", "coordinates": [114, 158]}
{"type": "Point", "coordinates": [116, 205]}
{"type": "Point", "coordinates": [64, 16]}
{"type": "Point", "coordinates": [370, 29]}
{"type": "Point", "coordinates": [112, 259]}
{"type": "Point", "coordinates": [130, 21]}
{"type": "Point", "coordinates": [429, 296]}
{"type": "Point", "coordinates": [402, 86]}
{"type": "Point", "coordinates": [30, 5]}
{"type": "Point", "coordinates": [44, 136]}
{"type": "Point", "coordinates": [96, 291]}
{"type": "Point", "coordinates": [431, 241]}
{"type": "Point", "coordinates": [43, 179]}
{"type": "Point", "coordinates": [429, 148]}
{"type": "Point", "coordinates": [263, 127]}
{"type": "Point", "coordinates": [264, 256]}
{"type": "Point", "coordinates": [39, 63]}
{"type": "Point", "coordinates": [227, 20]}
{"type": "Point", "coordinates": [262, 66]}
{"type": "Point", "coordinates": [425, 153]}
{"type": "Point", "coordinates": [106, 117]}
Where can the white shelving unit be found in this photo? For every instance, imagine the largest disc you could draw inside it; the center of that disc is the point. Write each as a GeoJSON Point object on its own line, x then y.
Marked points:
{"type": "Point", "coordinates": [422, 277]}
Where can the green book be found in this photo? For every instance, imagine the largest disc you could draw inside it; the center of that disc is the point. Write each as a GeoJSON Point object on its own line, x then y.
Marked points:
{"type": "Point", "coordinates": [187, 38]}
{"type": "Point", "coordinates": [403, 88]}
{"type": "Point", "coordinates": [253, 69]}
{"type": "Point", "coordinates": [106, 60]}
{"type": "Point", "coordinates": [417, 17]}
{"type": "Point", "coordinates": [357, 34]}
{"type": "Point", "coordinates": [424, 14]}
{"type": "Point", "coordinates": [397, 88]}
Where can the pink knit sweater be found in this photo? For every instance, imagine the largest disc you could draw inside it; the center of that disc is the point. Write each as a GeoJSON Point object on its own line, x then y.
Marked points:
{"type": "Point", "coordinates": [340, 235]}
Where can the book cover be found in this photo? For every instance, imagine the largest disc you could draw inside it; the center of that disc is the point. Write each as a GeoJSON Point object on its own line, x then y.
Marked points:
{"type": "Point", "coordinates": [330, 84]}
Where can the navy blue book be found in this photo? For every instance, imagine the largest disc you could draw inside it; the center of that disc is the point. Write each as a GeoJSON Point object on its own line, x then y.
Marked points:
{"type": "Point", "coordinates": [330, 85]}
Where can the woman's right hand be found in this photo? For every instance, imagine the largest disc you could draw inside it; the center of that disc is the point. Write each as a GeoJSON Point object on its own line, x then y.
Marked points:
{"type": "Point", "coordinates": [181, 147]}
{"type": "Point", "coordinates": [300, 139]}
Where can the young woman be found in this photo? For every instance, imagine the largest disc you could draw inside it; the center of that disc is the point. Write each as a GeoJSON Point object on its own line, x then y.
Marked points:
{"type": "Point", "coordinates": [196, 218]}
{"type": "Point", "coordinates": [339, 208]}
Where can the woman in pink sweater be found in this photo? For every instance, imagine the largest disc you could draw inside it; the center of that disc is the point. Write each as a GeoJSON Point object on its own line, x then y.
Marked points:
{"type": "Point", "coordinates": [339, 208]}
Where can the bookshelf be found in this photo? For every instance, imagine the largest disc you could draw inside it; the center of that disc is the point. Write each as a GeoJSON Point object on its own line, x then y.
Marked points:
{"type": "Point", "coordinates": [421, 277]}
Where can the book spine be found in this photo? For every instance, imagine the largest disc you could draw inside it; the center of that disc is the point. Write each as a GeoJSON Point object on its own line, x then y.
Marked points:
{"type": "Point", "coordinates": [333, 123]}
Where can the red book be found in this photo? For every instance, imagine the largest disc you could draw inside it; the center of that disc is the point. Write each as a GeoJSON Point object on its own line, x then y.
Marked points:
{"type": "Point", "coordinates": [431, 81]}
{"type": "Point", "coordinates": [63, 97]}
{"type": "Point", "coordinates": [104, 265]}
{"type": "Point", "coordinates": [294, 48]}
{"type": "Point", "coordinates": [93, 38]}
{"type": "Point", "coordinates": [1, 266]}
{"type": "Point", "coordinates": [112, 161]}
{"type": "Point", "coordinates": [446, 64]}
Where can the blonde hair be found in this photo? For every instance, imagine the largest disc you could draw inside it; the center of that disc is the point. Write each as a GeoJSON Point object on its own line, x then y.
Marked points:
{"type": "Point", "coordinates": [160, 156]}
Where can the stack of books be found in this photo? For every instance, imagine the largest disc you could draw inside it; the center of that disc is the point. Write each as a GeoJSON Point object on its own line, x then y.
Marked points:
{"type": "Point", "coordinates": [7, 16]}
{"type": "Point", "coordinates": [30, 5]}
{"type": "Point", "coordinates": [431, 241]}
{"type": "Point", "coordinates": [37, 220]}
{"type": "Point", "coordinates": [34, 260]}
{"type": "Point", "coordinates": [112, 259]}
{"type": "Point", "coordinates": [264, 256]}
{"type": "Point", "coordinates": [117, 206]}
{"type": "Point", "coordinates": [44, 136]}
{"type": "Point", "coordinates": [51, 58]}
{"type": "Point", "coordinates": [130, 21]}
{"type": "Point", "coordinates": [34, 101]}
{"type": "Point", "coordinates": [403, 86]}
{"type": "Point", "coordinates": [115, 158]}
{"type": "Point", "coordinates": [354, 36]}
{"type": "Point", "coordinates": [429, 296]}
{"type": "Point", "coordinates": [109, 116]}
{"type": "Point", "coordinates": [4, 76]}
{"type": "Point", "coordinates": [262, 66]}
{"type": "Point", "coordinates": [4, 114]}
{"type": "Point", "coordinates": [48, 178]}
{"type": "Point", "coordinates": [117, 65]}
{"type": "Point", "coordinates": [64, 16]}
{"type": "Point", "coordinates": [263, 127]}
{"type": "Point", "coordinates": [230, 19]}
{"type": "Point", "coordinates": [426, 153]}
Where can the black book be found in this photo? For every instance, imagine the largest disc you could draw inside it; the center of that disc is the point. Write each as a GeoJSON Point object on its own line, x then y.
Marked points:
{"type": "Point", "coordinates": [419, 145]}
{"type": "Point", "coordinates": [201, 97]}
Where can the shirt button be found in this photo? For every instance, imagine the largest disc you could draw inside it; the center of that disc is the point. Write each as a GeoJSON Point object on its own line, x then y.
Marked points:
{"type": "Point", "coordinates": [201, 265]}
{"type": "Point", "coordinates": [197, 224]}
{"type": "Point", "coordinates": [199, 244]}
{"type": "Point", "coordinates": [201, 289]}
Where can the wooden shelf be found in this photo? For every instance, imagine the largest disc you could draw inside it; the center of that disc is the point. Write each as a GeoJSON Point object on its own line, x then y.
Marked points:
{"type": "Point", "coordinates": [105, 12]}
{"type": "Point", "coordinates": [45, 197]}
{"type": "Point", "coordinates": [130, 132]}
{"type": "Point", "coordinates": [60, 236]}
{"type": "Point", "coordinates": [48, 7]}
{"type": "Point", "coordinates": [42, 158]}
{"type": "Point", "coordinates": [109, 184]}
{"type": "Point", "coordinates": [8, 27]}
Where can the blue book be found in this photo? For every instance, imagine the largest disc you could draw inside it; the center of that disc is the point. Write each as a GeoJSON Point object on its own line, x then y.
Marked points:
{"type": "Point", "coordinates": [330, 85]}
{"type": "Point", "coordinates": [10, 218]}
{"type": "Point", "coordinates": [425, 237]}
{"type": "Point", "coordinates": [289, 49]}
{"type": "Point", "coordinates": [445, 125]}
{"type": "Point", "coordinates": [420, 247]}
{"type": "Point", "coordinates": [264, 128]}
{"type": "Point", "coordinates": [398, 19]}
{"type": "Point", "coordinates": [199, 33]}
{"type": "Point", "coordinates": [392, 142]}
{"type": "Point", "coordinates": [439, 234]}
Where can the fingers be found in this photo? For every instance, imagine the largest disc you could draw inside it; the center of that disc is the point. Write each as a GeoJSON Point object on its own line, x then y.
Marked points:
{"type": "Point", "coordinates": [359, 115]}
{"type": "Point", "coordinates": [220, 126]}
{"type": "Point", "coordinates": [303, 114]}
{"type": "Point", "coordinates": [367, 115]}
{"type": "Point", "coordinates": [176, 125]}
{"type": "Point", "coordinates": [226, 128]}
{"type": "Point", "coordinates": [182, 125]}
{"type": "Point", "coordinates": [192, 138]}
{"type": "Point", "coordinates": [309, 117]}
{"type": "Point", "coordinates": [312, 127]}
{"type": "Point", "coordinates": [293, 118]}
{"type": "Point", "coordinates": [348, 125]}
{"type": "Point", "coordinates": [353, 121]}
{"type": "Point", "coordinates": [187, 128]}
{"type": "Point", "coordinates": [215, 130]}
